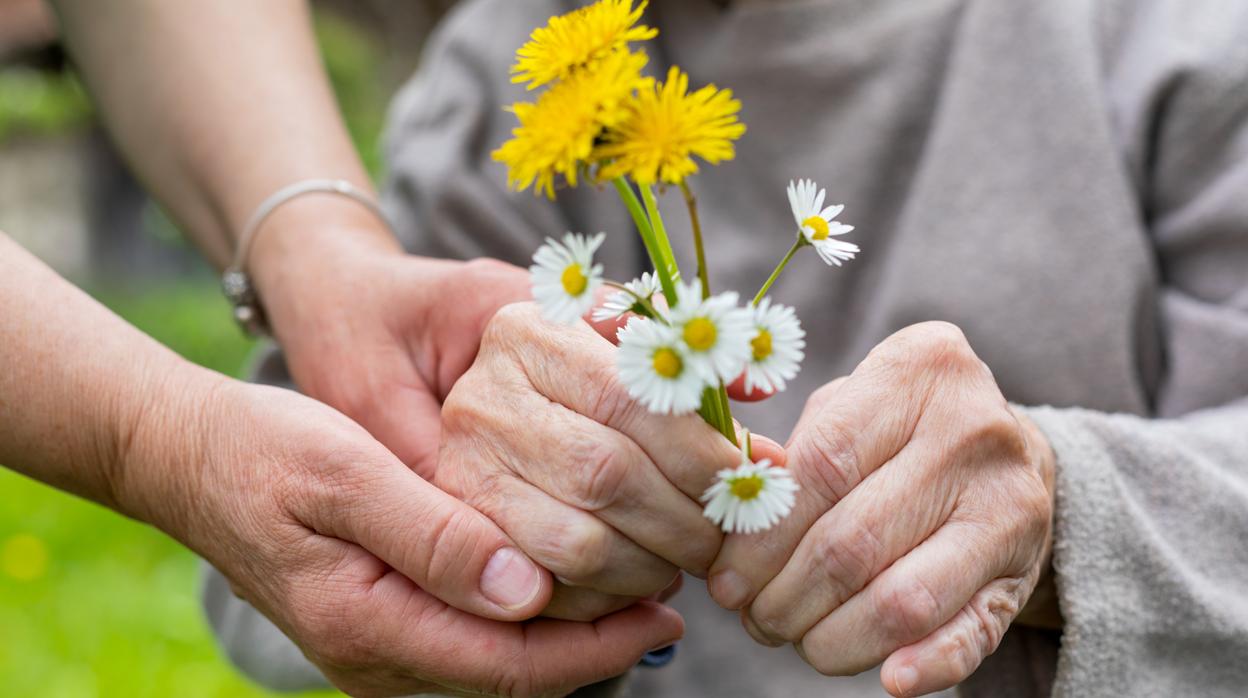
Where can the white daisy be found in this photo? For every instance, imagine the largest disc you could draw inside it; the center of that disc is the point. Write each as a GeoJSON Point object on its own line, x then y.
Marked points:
{"type": "Point", "coordinates": [751, 497]}
{"type": "Point", "coordinates": [565, 277]}
{"type": "Point", "coordinates": [621, 302]}
{"type": "Point", "coordinates": [776, 349]}
{"type": "Point", "coordinates": [715, 332]}
{"type": "Point", "coordinates": [816, 225]}
{"type": "Point", "coordinates": [656, 369]}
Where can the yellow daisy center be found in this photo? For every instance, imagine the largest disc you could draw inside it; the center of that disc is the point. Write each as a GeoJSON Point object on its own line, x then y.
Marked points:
{"type": "Point", "coordinates": [761, 345]}
{"type": "Point", "coordinates": [817, 224]}
{"type": "Point", "coordinates": [700, 334]}
{"type": "Point", "coordinates": [667, 363]}
{"type": "Point", "coordinates": [746, 488]}
{"type": "Point", "coordinates": [574, 280]}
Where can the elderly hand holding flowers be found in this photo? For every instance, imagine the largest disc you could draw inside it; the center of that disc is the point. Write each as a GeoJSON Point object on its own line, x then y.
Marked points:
{"type": "Point", "coordinates": [897, 550]}
{"type": "Point", "coordinates": [600, 119]}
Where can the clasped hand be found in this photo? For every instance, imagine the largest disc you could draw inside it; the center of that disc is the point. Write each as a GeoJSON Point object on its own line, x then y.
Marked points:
{"type": "Point", "coordinates": [921, 530]}
{"type": "Point", "coordinates": [922, 526]}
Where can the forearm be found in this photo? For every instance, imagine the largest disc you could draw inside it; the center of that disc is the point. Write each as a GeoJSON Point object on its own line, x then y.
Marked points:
{"type": "Point", "coordinates": [215, 104]}
{"type": "Point", "coordinates": [76, 383]}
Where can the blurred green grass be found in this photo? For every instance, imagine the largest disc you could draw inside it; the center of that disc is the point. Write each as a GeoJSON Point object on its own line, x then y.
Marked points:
{"type": "Point", "coordinates": [96, 605]}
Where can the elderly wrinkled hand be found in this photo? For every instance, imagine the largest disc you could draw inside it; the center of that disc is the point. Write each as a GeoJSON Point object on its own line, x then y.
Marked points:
{"type": "Point", "coordinates": [541, 436]}
{"type": "Point", "coordinates": [923, 525]}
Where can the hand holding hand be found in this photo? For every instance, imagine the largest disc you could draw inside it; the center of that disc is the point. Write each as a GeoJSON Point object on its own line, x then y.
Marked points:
{"type": "Point", "coordinates": [387, 583]}
{"type": "Point", "coordinates": [369, 330]}
{"type": "Point", "coordinates": [923, 524]}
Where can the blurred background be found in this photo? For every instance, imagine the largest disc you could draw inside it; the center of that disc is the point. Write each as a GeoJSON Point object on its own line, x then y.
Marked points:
{"type": "Point", "coordinates": [92, 604]}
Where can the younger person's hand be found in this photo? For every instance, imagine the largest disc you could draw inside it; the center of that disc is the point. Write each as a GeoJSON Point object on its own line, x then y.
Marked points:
{"type": "Point", "coordinates": [389, 585]}
{"type": "Point", "coordinates": [370, 330]}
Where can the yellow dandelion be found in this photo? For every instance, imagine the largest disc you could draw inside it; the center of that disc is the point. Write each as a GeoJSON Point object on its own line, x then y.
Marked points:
{"type": "Point", "coordinates": [556, 134]}
{"type": "Point", "coordinates": [666, 127]}
{"type": "Point", "coordinates": [579, 39]}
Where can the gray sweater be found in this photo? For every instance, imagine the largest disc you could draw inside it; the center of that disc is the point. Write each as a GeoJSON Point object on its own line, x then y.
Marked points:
{"type": "Point", "coordinates": [1066, 180]}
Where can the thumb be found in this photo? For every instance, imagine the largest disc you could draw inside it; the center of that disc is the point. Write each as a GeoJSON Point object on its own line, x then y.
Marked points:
{"type": "Point", "coordinates": [446, 547]}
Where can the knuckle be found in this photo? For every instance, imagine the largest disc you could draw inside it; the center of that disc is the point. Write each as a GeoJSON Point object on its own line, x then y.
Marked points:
{"type": "Point", "coordinates": [455, 536]}
{"type": "Point", "coordinates": [772, 622]}
{"type": "Point", "coordinates": [506, 323]}
{"type": "Point", "coordinates": [584, 553]}
{"type": "Point", "coordinates": [516, 678]}
{"type": "Point", "coordinates": [991, 436]}
{"type": "Point", "coordinates": [1035, 504]}
{"type": "Point", "coordinates": [851, 560]}
{"type": "Point", "coordinates": [933, 346]}
{"type": "Point", "coordinates": [943, 346]}
{"type": "Point", "coordinates": [961, 648]}
{"type": "Point", "coordinates": [598, 483]}
{"type": "Point", "coordinates": [908, 611]}
{"type": "Point", "coordinates": [520, 680]}
{"type": "Point", "coordinates": [826, 663]}
{"type": "Point", "coordinates": [609, 402]}
{"type": "Point", "coordinates": [489, 268]}
{"type": "Point", "coordinates": [706, 543]}
{"type": "Point", "coordinates": [826, 455]}
{"type": "Point", "coordinates": [980, 628]}
{"type": "Point", "coordinates": [824, 393]}
{"type": "Point", "coordinates": [463, 411]}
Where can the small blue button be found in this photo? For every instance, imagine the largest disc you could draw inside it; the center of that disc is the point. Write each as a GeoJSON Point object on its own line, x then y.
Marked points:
{"type": "Point", "coordinates": [660, 657]}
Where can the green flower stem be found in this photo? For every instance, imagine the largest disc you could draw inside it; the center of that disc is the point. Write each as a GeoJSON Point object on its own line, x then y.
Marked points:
{"type": "Point", "coordinates": [692, 204]}
{"type": "Point", "coordinates": [762, 292]}
{"type": "Point", "coordinates": [661, 268]}
{"type": "Point", "coordinates": [715, 409]}
{"type": "Point", "coordinates": [726, 427]}
{"type": "Point", "coordinates": [709, 411]}
{"type": "Point", "coordinates": [660, 230]}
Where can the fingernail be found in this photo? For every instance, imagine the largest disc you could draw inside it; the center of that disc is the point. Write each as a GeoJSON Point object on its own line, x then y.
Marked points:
{"type": "Point", "coordinates": [906, 678]}
{"type": "Point", "coordinates": [729, 589]}
{"type": "Point", "coordinates": [510, 579]}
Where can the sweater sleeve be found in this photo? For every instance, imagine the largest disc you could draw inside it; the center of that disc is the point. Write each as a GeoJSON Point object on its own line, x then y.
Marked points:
{"type": "Point", "coordinates": [1151, 538]}
{"type": "Point", "coordinates": [1151, 551]}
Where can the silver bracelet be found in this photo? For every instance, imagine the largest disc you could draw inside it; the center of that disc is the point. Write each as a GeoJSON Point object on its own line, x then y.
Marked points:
{"type": "Point", "coordinates": [235, 282]}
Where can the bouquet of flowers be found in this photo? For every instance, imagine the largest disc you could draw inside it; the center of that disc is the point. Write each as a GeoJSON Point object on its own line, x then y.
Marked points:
{"type": "Point", "coordinates": [597, 118]}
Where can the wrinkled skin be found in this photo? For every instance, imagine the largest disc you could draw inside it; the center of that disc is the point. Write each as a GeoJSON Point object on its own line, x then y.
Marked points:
{"type": "Point", "coordinates": [374, 572]}
{"type": "Point", "coordinates": [922, 528]}
{"type": "Point", "coordinates": [379, 334]}
{"type": "Point", "coordinates": [390, 357]}
{"type": "Point", "coordinates": [541, 436]}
